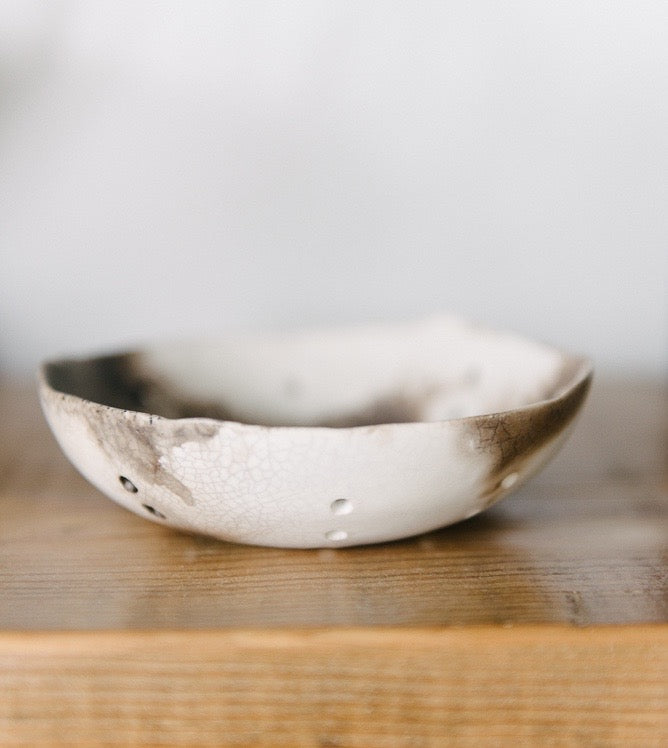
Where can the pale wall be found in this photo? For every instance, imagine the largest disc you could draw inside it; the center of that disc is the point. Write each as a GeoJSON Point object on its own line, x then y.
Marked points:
{"type": "Point", "coordinates": [190, 167]}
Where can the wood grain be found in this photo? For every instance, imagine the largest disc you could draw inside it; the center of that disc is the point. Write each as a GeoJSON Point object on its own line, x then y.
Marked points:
{"type": "Point", "coordinates": [354, 687]}
{"type": "Point", "coordinates": [541, 622]}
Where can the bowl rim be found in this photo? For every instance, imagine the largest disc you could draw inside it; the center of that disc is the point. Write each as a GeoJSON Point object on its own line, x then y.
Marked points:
{"type": "Point", "coordinates": [577, 372]}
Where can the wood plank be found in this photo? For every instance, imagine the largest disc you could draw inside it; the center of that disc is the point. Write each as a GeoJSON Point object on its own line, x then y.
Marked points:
{"type": "Point", "coordinates": [513, 626]}
{"type": "Point", "coordinates": [356, 687]}
{"type": "Point", "coordinates": [583, 543]}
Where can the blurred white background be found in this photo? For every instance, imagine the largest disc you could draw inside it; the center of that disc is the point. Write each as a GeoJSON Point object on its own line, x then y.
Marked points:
{"type": "Point", "coordinates": [184, 168]}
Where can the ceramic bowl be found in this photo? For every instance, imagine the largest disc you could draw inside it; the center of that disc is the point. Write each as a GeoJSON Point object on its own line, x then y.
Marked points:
{"type": "Point", "coordinates": [329, 438]}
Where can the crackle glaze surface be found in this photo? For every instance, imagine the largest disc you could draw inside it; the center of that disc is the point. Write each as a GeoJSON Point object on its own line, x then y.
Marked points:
{"type": "Point", "coordinates": [330, 438]}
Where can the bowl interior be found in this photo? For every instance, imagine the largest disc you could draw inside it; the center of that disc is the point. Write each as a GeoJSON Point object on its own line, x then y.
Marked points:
{"type": "Point", "coordinates": [434, 370]}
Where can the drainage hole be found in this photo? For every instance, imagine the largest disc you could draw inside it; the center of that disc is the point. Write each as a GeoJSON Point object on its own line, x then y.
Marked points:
{"type": "Point", "coordinates": [127, 484]}
{"type": "Point", "coordinates": [509, 480]}
{"type": "Point", "coordinates": [341, 506]}
{"type": "Point", "coordinates": [336, 535]}
{"type": "Point", "coordinates": [152, 510]}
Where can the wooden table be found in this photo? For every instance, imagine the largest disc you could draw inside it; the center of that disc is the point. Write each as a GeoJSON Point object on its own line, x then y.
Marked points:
{"type": "Point", "coordinates": [541, 622]}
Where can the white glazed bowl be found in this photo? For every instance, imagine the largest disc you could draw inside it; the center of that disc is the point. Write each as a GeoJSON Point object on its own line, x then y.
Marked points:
{"type": "Point", "coordinates": [330, 438]}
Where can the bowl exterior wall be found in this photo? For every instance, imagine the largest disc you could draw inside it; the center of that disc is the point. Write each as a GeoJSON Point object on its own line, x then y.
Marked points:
{"type": "Point", "coordinates": [307, 487]}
